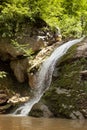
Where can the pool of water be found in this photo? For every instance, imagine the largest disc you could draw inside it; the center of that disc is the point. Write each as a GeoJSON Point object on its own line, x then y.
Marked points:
{"type": "Point", "coordinates": [29, 123]}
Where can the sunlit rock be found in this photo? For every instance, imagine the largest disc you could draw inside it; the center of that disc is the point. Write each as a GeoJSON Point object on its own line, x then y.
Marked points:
{"type": "Point", "coordinates": [17, 99]}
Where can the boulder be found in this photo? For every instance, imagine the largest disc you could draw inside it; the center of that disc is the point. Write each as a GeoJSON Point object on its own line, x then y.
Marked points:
{"type": "Point", "coordinates": [40, 110]}
{"type": "Point", "coordinates": [82, 50]}
{"type": "Point", "coordinates": [19, 68]}
{"type": "Point", "coordinates": [7, 50]}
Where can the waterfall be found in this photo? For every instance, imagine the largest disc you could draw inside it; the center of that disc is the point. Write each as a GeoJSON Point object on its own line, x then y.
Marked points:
{"type": "Point", "coordinates": [45, 77]}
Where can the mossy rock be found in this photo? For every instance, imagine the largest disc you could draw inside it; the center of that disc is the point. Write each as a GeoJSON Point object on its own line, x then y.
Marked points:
{"type": "Point", "coordinates": [63, 104]}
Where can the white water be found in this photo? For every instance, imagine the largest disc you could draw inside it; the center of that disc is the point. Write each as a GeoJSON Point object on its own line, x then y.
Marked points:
{"type": "Point", "coordinates": [45, 76]}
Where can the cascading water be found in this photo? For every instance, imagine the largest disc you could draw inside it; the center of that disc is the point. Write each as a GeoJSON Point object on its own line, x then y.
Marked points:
{"type": "Point", "coordinates": [45, 77]}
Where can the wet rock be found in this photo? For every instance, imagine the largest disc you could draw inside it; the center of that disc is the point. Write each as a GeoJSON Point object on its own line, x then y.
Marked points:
{"type": "Point", "coordinates": [34, 65]}
{"type": "Point", "coordinates": [42, 55]}
{"type": "Point", "coordinates": [40, 110]}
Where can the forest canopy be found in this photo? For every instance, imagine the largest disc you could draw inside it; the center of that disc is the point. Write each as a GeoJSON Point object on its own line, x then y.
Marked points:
{"type": "Point", "coordinates": [69, 15]}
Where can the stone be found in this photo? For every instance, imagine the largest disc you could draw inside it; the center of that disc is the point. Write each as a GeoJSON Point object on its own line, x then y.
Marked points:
{"type": "Point", "coordinates": [32, 79]}
{"type": "Point", "coordinates": [84, 74]}
{"type": "Point", "coordinates": [7, 50]}
{"type": "Point", "coordinates": [34, 65]}
{"type": "Point", "coordinates": [76, 115]}
{"type": "Point", "coordinates": [19, 68]}
{"type": "Point", "coordinates": [82, 50]}
{"type": "Point", "coordinates": [17, 99]}
{"type": "Point", "coordinates": [40, 110]}
{"type": "Point", "coordinates": [3, 99]}
{"type": "Point", "coordinates": [4, 105]}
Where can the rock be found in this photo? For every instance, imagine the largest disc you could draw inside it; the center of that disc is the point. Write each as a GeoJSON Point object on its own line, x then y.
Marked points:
{"type": "Point", "coordinates": [32, 80]}
{"type": "Point", "coordinates": [57, 34]}
{"type": "Point", "coordinates": [84, 74]}
{"type": "Point", "coordinates": [19, 68]}
{"type": "Point", "coordinates": [38, 37]}
{"type": "Point", "coordinates": [7, 50]}
{"type": "Point", "coordinates": [40, 110]}
{"type": "Point", "coordinates": [4, 108]}
{"type": "Point", "coordinates": [77, 115]}
{"type": "Point", "coordinates": [37, 43]}
{"type": "Point", "coordinates": [34, 65]}
{"type": "Point", "coordinates": [55, 72]}
{"type": "Point", "coordinates": [67, 95]}
{"type": "Point", "coordinates": [41, 56]}
{"type": "Point", "coordinates": [82, 50]}
{"type": "Point", "coordinates": [4, 105]}
{"type": "Point", "coordinates": [31, 38]}
{"type": "Point", "coordinates": [3, 98]}
{"type": "Point", "coordinates": [17, 99]}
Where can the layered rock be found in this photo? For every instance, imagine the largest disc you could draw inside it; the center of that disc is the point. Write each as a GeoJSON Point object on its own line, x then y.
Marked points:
{"type": "Point", "coordinates": [4, 105]}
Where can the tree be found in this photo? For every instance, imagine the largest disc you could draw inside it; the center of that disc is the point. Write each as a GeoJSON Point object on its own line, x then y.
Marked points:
{"type": "Point", "coordinates": [67, 14]}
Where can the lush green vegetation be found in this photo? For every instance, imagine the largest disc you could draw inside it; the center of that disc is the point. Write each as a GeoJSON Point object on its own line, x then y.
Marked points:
{"type": "Point", "coordinates": [70, 16]}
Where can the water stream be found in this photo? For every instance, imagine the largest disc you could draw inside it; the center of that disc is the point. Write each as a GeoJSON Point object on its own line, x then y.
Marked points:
{"type": "Point", "coordinates": [45, 77]}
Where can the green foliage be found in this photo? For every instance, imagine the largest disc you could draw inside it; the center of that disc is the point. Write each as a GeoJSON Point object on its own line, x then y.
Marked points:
{"type": "Point", "coordinates": [2, 74]}
{"type": "Point", "coordinates": [70, 16]}
{"type": "Point", "coordinates": [22, 48]}
{"type": "Point", "coordinates": [12, 14]}
{"type": "Point", "coordinates": [76, 16]}
{"type": "Point", "coordinates": [70, 26]}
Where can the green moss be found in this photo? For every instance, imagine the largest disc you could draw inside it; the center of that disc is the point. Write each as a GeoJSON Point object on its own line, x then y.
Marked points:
{"type": "Point", "coordinates": [59, 103]}
{"type": "Point", "coordinates": [69, 74]}
{"type": "Point", "coordinates": [69, 55]}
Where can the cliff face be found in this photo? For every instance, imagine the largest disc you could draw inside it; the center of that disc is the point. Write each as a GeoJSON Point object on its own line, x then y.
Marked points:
{"type": "Point", "coordinates": [67, 95]}
{"type": "Point", "coordinates": [17, 64]}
